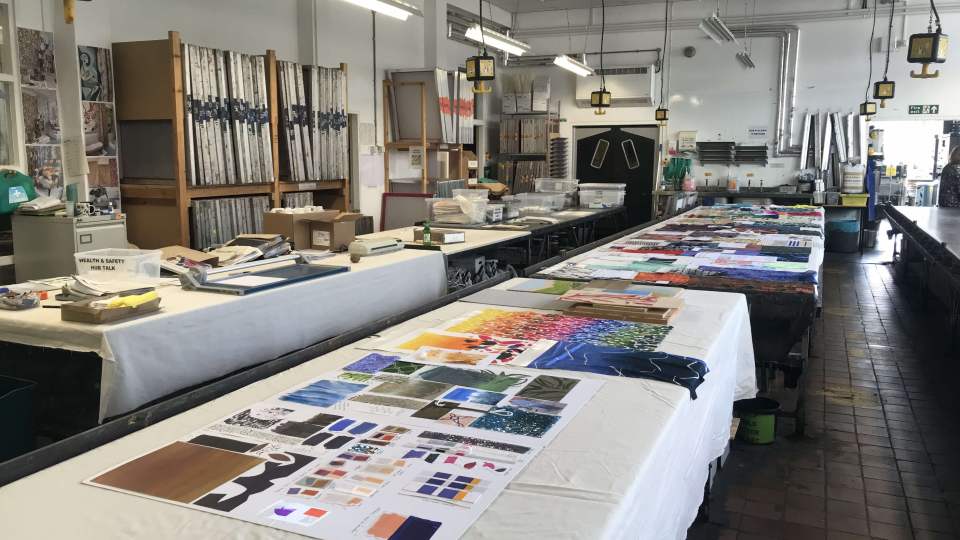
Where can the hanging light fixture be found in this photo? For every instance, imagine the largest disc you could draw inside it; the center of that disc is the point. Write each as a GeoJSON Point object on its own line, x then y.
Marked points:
{"type": "Point", "coordinates": [662, 114]}
{"type": "Point", "coordinates": [928, 48]}
{"type": "Point", "coordinates": [744, 55]}
{"type": "Point", "coordinates": [569, 64]}
{"type": "Point", "coordinates": [600, 99]}
{"type": "Point", "coordinates": [869, 108]}
{"type": "Point", "coordinates": [481, 67]}
{"type": "Point", "coordinates": [501, 42]}
{"type": "Point", "coordinates": [885, 89]}
{"type": "Point", "coordinates": [715, 28]}
{"type": "Point", "coordinates": [397, 9]}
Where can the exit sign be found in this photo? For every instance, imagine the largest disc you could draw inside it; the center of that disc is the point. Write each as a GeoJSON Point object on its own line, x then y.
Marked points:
{"type": "Point", "coordinates": [924, 109]}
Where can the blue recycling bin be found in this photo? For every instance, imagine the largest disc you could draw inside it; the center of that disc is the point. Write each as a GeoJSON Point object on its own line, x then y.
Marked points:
{"type": "Point", "coordinates": [16, 415]}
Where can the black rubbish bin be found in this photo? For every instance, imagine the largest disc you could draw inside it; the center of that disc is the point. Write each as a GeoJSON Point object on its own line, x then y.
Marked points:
{"type": "Point", "coordinates": [16, 416]}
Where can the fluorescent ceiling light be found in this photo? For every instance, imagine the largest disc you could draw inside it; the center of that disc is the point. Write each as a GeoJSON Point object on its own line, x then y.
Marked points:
{"type": "Point", "coordinates": [496, 40]}
{"type": "Point", "coordinates": [398, 9]}
{"type": "Point", "coordinates": [745, 60]}
{"type": "Point", "coordinates": [569, 64]}
{"type": "Point", "coordinates": [714, 28]}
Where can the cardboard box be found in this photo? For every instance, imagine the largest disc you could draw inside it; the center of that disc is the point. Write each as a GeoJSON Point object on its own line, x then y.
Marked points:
{"type": "Point", "coordinates": [296, 227]}
{"type": "Point", "coordinates": [333, 230]}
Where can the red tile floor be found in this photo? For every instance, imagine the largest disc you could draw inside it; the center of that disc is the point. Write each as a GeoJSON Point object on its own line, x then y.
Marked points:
{"type": "Point", "coordinates": [879, 456]}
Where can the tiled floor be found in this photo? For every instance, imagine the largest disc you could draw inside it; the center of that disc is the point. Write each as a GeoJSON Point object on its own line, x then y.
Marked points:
{"type": "Point", "coordinates": [880, 455]}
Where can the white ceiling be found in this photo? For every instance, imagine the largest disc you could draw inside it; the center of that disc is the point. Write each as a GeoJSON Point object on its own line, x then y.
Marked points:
{"type": "Point", "coordinates": [529, 6]}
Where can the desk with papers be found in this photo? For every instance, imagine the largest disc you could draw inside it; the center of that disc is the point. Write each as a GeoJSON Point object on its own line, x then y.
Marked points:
{"type": "Point", "coordinates": [199, 336]}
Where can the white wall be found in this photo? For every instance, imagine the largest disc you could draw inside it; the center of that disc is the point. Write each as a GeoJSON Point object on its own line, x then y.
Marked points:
{"type": "Point", "coordinates": [713, 95]}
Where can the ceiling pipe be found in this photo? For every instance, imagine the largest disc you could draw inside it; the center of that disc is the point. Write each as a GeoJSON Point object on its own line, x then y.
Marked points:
{"type": "Point", "coordinates": [773, 19]}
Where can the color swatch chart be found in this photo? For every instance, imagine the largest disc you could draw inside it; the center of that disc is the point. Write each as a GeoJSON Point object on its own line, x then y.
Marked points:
{"type": "Point", "coordinates": [387, 448]}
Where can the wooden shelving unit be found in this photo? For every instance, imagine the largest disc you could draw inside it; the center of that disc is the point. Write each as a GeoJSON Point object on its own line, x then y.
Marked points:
{"type": "Point", "coordinates": [150, 103]}
{"type": "Point", "coordinates": [458, 162]}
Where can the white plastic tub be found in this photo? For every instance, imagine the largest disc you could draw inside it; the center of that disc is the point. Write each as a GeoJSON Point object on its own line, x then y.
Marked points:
{"type": "Point", "coordinates": [556, 185]}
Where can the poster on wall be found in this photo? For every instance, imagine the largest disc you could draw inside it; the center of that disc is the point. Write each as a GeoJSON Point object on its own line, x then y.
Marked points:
{"type": "Point", "coordinates": [36, 58]}
{"type": "Point", "coordinates": [41, 111]}
{"type": "Point", "coordinates": [96, 74]}
{"type": "Point", "coordinates": [41, 117]}
{"type": "Point", "coordinates": [45, 165]}
{"type": "Point", "coordinates": [104, 183]}
{"type": "Point", "coordinates": [99, 131]}
{"type": "Point", "coordinates": [99, 127]}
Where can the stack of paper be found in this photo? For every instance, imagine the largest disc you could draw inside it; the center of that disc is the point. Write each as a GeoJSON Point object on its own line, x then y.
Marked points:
{"type": "Point", "coordinates": [623, 301]}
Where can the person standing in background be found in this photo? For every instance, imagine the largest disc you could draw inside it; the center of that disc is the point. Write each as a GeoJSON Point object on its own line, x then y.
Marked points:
{"type": "Point", "coordinates": [950, 181]}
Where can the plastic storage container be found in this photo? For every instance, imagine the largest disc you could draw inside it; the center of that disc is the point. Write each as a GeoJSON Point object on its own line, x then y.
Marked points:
{"type": "Point", "coordinates": [482, 194]}
{"type": "Point", "coordinates": [843, 236]}
{"type": "Point", "coordinates": [511, 206]}
{"type": "Point", "coordinates": [494, 213]}
{"type": "Point", "coordinates": [460, 210]}
{"type": "Point", "coordinates": [557, 185]}
{"type": "Point", "coordinates": [115, 262]}
{"type": "Point", "coordinates": [854, 200]}
{"type": "Point", "coordinates": [594, 195]}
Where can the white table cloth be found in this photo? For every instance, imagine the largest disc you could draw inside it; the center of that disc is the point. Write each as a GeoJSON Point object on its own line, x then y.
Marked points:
{"type": "Point", "coordinates": [473, 239]}
{"type": "Point", "coordinates": [199, 336]}
{"type": "Point", "coordinates": [631, 464]}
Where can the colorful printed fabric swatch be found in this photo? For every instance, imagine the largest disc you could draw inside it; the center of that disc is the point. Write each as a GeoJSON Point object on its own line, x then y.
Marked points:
{"type": "Point", "coordinates": [388, 401]}
{"type": "Point", "coordinates": [402, 368]}
{"type": "Point", "coordinates": [323, 393]}
{"type": "Point", "coordinates": [536, 405]}
{"type": "Point", "coordinates": [680, 370]}
{"type": "Point", "coordinates": [457, 489]}
{"type": "Point", "coordinates": [460, 417]}
{"type": "Point", "coordinates": [260, 418]}
{"type": "Point", "coordinates": [390, 526]}
{"type": "Point", "coordinates": [505, 348]}
{"type": "Point", "coordinates": [515, 421]}
{"type": "Point", "coordinates": [300, 430]}
{"type": "Point", "coordinates": [534, 325]}
{"type": "Point", "coordinates": [412, 388]}
{"type": "Point", "coordinates": [547, 286]}
{"type": "Point", "coordinates": [371, 363]}
{"type": "Point", "coordinates": [472, 395]}
{"type": "Point", "coordinates": [293, 513]}
{"type": "Point", "coordinates": [548, 388]}
{"type": "Point", "coordinates": [415, 528]}
{"type": "Point", "coordinates": [482, 379]}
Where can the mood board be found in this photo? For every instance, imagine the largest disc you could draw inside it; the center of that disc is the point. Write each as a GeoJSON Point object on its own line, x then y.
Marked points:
{"type": "Point", "coordinates": [387, 448]}
{"type": "Point", "coordinates": [727, 247]}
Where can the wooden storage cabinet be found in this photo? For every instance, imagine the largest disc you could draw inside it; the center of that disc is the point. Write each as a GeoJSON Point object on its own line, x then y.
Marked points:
{"type": "Point", "coordinates": [151, 124]}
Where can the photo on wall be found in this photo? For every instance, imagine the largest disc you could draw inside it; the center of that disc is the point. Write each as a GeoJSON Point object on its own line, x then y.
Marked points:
{"type": "Point", "coordinates": [99, 130]}
{"type": "Point", "coordinates": [36, 58]}
{"type": "Point", "coordinates": [41, 119]}
{"type": "Point", "coordinates": [104, 183]}
{"type": "Point", "coordinates": [96, 73]}
{"type": "Point", "coordinates": [45, 165]}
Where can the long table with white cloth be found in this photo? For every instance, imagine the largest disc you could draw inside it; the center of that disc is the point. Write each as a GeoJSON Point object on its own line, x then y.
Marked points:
{"type": "Point", "coordinates": [199, 336]}
{"type": "Point", "coordinates": [632, 463]}
{"type": "Point", "coordinates": [772, 254]}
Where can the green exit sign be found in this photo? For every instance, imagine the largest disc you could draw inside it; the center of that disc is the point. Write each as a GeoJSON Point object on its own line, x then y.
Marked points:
{"type": "Point", "coordinates": [924, 109]}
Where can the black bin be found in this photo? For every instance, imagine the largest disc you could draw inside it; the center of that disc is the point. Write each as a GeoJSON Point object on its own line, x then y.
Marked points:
{"type": "Point", "coordinates": [16, 416]}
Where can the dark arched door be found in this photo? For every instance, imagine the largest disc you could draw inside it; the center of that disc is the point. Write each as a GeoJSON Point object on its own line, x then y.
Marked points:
{"type": "Point", "coordinates": [620, 154]}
